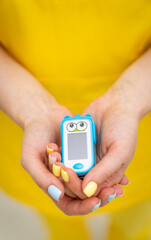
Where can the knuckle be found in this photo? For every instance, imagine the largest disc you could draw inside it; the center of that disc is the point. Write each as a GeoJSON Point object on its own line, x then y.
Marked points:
{"type": "Point", "coordinates": [105, 173]}
{"type": "Point", "coordinates": [113, 179]}
{"type": "Point", "coordinates": [66, 211]}
{"type": "Point", "coordinates": [43, 181]}
{"type": "Point", "coordinates": [108, 182]}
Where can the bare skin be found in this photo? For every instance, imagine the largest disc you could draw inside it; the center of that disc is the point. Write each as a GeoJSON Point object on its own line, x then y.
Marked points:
{"type": "Point", "coordinates": [117, 114]}
{"type": "Point", "coordinates": [36, 111]}
{"type": "Point", "coordinates": [41, 119]}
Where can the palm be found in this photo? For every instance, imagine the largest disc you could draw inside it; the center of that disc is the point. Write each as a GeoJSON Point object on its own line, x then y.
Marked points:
{"type": "Point", "coordinates": [34, 159]}
{"type": "Point", "coordinates": [116, 132]}
{"type": "Point", "coordinates": [38, 134]}
{"type": "Point", "coordinates": [41, 132]}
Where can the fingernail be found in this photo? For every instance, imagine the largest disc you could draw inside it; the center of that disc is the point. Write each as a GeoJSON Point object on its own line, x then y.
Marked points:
{"type": "Point", "coordinates": [120, 195]}
{"type": "Point", "coordinates": [56, 170]}
{"type": "Point", "coordinates": [52, 159]}
{"type": "Point", "coordinates": [111, 197]}
{"type": "Point", "coordinates": [64, 175]}
{"type": "Point", "coordinates": [49, 150]}
{"type": "Point", "coordinates": [126, 184]}
{"type": "Point", "coordinates": [54, 192]}
{"type": "Point", "coordinates": [96, 206]}
{"type": "Point", "coordinates": [90, 189]}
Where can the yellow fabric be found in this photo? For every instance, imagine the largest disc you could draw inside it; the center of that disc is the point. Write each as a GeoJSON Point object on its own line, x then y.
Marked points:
{"type": "Point", "coordinates": [77, 49]}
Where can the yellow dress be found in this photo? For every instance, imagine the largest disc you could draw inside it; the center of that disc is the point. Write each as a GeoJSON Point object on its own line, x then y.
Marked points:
{"type": "Point", "coordinates": [77, 49]}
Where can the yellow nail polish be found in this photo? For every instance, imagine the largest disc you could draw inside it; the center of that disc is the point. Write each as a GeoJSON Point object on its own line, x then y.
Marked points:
{"type": "Point", "coordinates": [56, 170]}
{"type": "Point", "coordinates": [90, 189]}
{"type": "Point", "coordinates": [64, 175]}
{"type": "Point", "coordinates": [49, 150]}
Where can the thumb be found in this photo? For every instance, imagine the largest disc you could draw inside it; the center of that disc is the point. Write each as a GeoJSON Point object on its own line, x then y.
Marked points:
{"type": "Point", "coordinates": [109, 164]}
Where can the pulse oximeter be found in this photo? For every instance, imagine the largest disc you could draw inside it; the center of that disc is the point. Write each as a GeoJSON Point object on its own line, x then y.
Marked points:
{"type": "Point", "coordinates": [78, 138]}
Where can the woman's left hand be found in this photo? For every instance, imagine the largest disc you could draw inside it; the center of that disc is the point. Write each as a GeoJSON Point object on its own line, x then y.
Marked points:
{"type": "Point", "coordinates": [117, 129]}
{"type": "Point", "coordinates": [117, 114]}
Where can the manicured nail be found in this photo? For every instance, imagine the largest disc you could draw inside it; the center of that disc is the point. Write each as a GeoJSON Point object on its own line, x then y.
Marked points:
{"type": "Point", "coordinates": [120, 195]}
{"type": "Point", "coordinates": [49, 150]}
{"type": "Point", "coordinates": [126, 184]}
{"type": "Point", "coordinates": [56, 170]}
{"type": "Point", "coordinates": [96, 206]}
{"type": "Point", "coordinates": [54, 192]}
{"type": "Point", "coordinates": [52, 159]}
{"type": "Point", "coordinates": [64, 175]}
{"type": "Point", "coordinates": [111, 197]}
{"type": "Point", "coordinates": [90, 189]}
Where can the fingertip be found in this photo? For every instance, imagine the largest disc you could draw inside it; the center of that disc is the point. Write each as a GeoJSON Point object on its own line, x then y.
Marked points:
{"type": "Point", "coordinates": [112, 196]}
{"type": "Point", "coordinates": [91, 182]}
{"type": "Point", "coordinates": [64, 175]}
{"type": "Point", "coordinates": [51, 147]}
{"type": "Point", "coordinates": [54, 192]}
{"type": "Point", "coordinates": [49, 150]}
{"type": "Point", "coordinates": [91, 204]}
{"type": "Point", "coordinates": [119, 190]}
{"type": "Point", "coordinates": [56, 170]}
{"type": "Point", "coordinates": [56, 188]}
{"type": "Point", "coordinates": [72, 181]}
{"type": "Point", "coordinates": [124, 181]}
{"type": "Point", "coordinates": [90, 188]}
{"type": "Point", "coordinates": [106, 195]}
{"type": "Point", "coordinates": [54, 157]}
{"type": "Point", "coordinates": [96, 206]}
{"type": "Point", "coordinates": [71, 173]}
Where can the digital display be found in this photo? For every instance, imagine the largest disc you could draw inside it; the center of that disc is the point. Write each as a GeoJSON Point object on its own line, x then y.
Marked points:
{"type": "Point", "coordinates": [77, 146]}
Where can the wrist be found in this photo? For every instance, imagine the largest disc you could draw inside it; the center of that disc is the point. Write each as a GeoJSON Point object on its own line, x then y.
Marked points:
{"type": "Point", "coordinates": [134, 86]}
{"type": "Point", "coordinates": [40, 109]}
{"type": "Point", "coordinates": [125, 95]}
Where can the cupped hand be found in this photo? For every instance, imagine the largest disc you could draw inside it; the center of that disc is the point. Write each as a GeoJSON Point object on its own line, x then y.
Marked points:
{"type": "Point", "coordinates": [117, 130]}
{"type": "Point", "coordinates": [72, 183]}
{"type": "Point", "coordinates": [38, 133]}
{"type": "Point", "coordinates": [67, 196]}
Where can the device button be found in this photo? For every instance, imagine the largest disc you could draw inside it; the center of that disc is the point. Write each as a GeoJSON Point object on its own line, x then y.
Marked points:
{"type": "Point", "coordinates": [78, 116]}
{"type": "Point", "coordinates": [67, 117]}
{"type": "Point", "coordinates": [78, 166]}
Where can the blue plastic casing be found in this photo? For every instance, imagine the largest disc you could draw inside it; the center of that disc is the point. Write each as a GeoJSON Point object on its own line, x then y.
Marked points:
{"type": "Point", "coordinates": [93, 139]}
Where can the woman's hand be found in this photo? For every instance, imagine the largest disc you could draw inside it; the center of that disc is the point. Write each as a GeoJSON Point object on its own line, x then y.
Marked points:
{"type": "Point", "coordinates": [37, 135]}
{"type": "Point", "coordinates": [68, 196]}
{"type": "Point", "coordinates": [116, 128]}
{"type": "Point", "coordinates": [36, 111]}
{"type": "Point", "coordinates": [117, 114]}
{"type": "Point", "coordinates": [72, 183]}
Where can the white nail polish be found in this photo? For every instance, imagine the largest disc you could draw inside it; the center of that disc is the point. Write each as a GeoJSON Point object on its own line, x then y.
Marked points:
{"type": "Point", "coordinates": [120, 195]}
{"type": "Point", "coordinates": [52, 159]}
{"type": "Point", "coordinates": [126, 184]}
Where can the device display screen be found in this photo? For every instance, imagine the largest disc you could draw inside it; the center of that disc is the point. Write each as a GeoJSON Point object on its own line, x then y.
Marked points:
{"type": "Point", "coordinates": [77, 146]}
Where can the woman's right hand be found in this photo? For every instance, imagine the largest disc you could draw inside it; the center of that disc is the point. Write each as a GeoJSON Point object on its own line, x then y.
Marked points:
{"type": "Point", "coordinates": [38, 133]}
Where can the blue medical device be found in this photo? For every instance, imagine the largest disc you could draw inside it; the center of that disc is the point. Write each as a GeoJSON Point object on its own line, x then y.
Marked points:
{"type": "Point", "coordinates": [78, 138]}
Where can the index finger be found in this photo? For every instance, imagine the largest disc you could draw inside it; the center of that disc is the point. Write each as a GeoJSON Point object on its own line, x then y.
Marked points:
{"type": "Point", "coordinates": [70, 178]}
